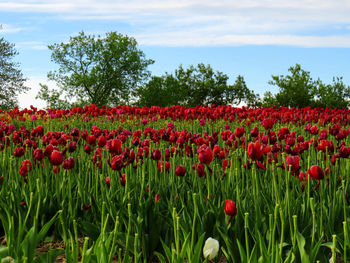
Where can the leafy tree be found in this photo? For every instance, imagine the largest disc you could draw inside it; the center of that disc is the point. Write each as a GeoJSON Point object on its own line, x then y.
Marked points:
{"type": "Point", "coordinates": [11, 77]}
{"type": "Point", "coordinates": [201, 85]}
{"type": "Point", "coordinates": [195, 86]}
{"type": "Point", "coordinates": [99, 70]}
{"type": "Point", "coordinates": [335, 95]}
{"type": "Point", "coordinates": [295, 90]}
{"type": "Point", "coordinates": [160, 91]}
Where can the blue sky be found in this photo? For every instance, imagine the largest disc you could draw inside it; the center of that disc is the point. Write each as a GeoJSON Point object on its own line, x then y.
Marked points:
{"type": "Point", "coordinates": [253, 38]}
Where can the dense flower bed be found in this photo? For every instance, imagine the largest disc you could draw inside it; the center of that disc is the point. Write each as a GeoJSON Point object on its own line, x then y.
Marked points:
{"type": "Point", "coordinates": [141, 184]}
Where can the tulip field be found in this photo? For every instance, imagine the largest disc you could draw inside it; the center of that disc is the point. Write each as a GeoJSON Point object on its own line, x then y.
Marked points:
{"type": "Point", "coordinates": [175, 184]}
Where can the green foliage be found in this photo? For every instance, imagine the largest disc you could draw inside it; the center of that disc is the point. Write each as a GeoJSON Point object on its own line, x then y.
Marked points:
{"type": "Point", "coordinates": [11, 78]}
{"type": "Point", "coordinates": [160, 91]}
{"type": "Point", "coordinates": [335, 95]}
{"type": "Point", "coordinates": [295, 90]}
{"type": "Point", "coordinates": [299, 90]}
{"type": "Point", "coordinates": [195, 86]}
{"type": "Point", "coordinates": [99, 70]}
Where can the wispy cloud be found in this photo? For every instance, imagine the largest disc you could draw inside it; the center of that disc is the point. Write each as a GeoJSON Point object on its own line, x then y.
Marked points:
{"type": "Point", "coordinates": [204, 22]}
{"type": "Point", "coordinates": [7, 29]}
{"type": "Point", "coordinates": [35, 45]}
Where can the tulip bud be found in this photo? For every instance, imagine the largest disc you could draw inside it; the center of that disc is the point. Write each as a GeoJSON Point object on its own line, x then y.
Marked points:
{"type": "Point", "coordinates": [230, 208]}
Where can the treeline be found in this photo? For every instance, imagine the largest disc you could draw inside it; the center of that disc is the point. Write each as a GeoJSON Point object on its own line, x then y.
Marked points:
{"type": "Point", "coordinates": [112, 70]}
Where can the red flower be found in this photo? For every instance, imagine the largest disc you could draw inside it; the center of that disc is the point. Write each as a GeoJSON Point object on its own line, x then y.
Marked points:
{"type": "Point", "coordinates": [25, 168]}
{"type": "Point", "coordinates": [180, 171]}
{"type": "Point", "coordinates": [156, 155]}
{"type": "Point", "coordinates": [38, 154]}
{"type": "Point", "coordinates": [114, 146]}
{"type": "Point", "coordinates": [200, 170]}
{"type": "Point", "coordinates": [72, 146]}
{"type": "Point", "coordinates": [205, 154]}
{"type": "Point", "coordinates": [239, 132]}
{"type": "Point", "coordinates": [256, 151]}
{"type": "Point", "coordinates": [225, 164]}
{"type": "Point", "coordinates": [294, 162]}
{"type": "Point", "coordinates": [117, 162]}
{"type": "Point", "coordinates": [157, 198]}
{"type": "Point", "coordinates": [68, 164]}
{"type": "Point", "coordinates": [91, 139]}
{"type": "Point", "coordinates": [254, 132]}
{"type": "Point", "coordinates": [19, 152]}
{"type": "Point", "coordinates": [316, 172]}
{"type": "Point", "coordinates": [101, 141]}
{"type": "Point", "coordinates": [108, 182]}
{"type": "Point", "coordinates": [344, 152]}
{"type": "Point", "coordinates": [56, 158]}
{"type": "Point", "coordinates": [123, 180]}
{"type": "Point", "coordinates": [230, 208]}
{"type": "Point", "coordinates": [313, 130]}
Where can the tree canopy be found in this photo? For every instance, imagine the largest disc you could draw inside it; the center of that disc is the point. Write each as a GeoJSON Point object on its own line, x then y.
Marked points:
{"type": "Point", "coordinates": [11, 77]}
{"type": "Point", "coordinates": [193, 86]}
{"type": "Point", "coordinates": [299, 90]}
{"type": "Point", "coordinates": [99, 70]}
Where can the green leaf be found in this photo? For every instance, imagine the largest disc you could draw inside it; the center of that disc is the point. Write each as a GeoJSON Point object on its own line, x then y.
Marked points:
{"type": "Point", "coordinates": [198, 249]}
{"type": "Point", "coordinates": [301, 243]}
{"type": "Point", "coordinates": [242, 252]}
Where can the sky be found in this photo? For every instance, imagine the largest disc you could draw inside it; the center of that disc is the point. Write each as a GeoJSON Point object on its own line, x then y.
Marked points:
{"type": "Point", "coordinates": [252, 38]}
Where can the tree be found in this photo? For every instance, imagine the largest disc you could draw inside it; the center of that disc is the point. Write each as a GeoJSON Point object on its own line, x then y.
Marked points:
{"type": "Point", "coordinates": [201, 85]}
{"type": "Point", "coordinates": [335, 95]}
{"type": "Point", "coordinates": [11, 77]}
{"type": "Point", "coordinates": [160, 91]}
{"type": "Point", "coordinates": [99, 70]}
{"type": "Point", "coordinates": [295, 90]}
{"type": "Point", "coordinates": [195, 86]}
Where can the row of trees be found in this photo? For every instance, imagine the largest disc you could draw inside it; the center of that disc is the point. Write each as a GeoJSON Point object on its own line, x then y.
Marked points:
{"type": "Point", "coordinates": [111, 70]}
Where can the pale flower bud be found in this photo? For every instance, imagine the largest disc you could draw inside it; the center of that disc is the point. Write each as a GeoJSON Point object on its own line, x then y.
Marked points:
{"type": "Point", "coordinates": [7, 260]}
{"type": "Point", "coordinates": [211, 248]}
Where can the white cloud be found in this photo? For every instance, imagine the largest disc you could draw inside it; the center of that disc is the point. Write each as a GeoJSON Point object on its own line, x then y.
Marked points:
{"type": "Point", "coordinates": [178, 39]}
{"type": "Point", "coordinates": [204, 22]}
{"type": "Point", "coordinates": [7, 29]}
{"type": "Point", "coordinates": [36, 45]}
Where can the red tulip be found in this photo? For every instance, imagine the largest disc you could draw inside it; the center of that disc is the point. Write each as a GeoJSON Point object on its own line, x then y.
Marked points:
{"type": "Point", "coordinates": [101, 141]}
{"type": "Point", "coordinates": [254, 132]}
{"type": "Point", "coordinates": [239, 132]}
{"type": "Point", "coordinates": [256, 150]}
{"type": "Point", "coordinates": [123, 180]}
{"type": "Point", "coordinates": [201, 170]}
{"type": "Point", "coordinates": [25, 168]}
{"type": "Point", "coordinates": [117, 162]}
{"type": "Point", "coordinates": [205, 154]}
{"type": "Point", "coordinates": [68, 164]}
{"type": "Point", "coordinates": [108, 182]}
{"type": "Point", "coordinates": [56, 158]}
{"type": "Point", "coordinates": [294, 163]}
{"type": "Point", "coordinates": [316, 172]}
{"type": "Point", "coordinates": [91, 139]}
{"type": "Point", "coordinates": [180, 171]}
{"type": "Point", "coordinates": [157, 198]}
{"type": "Point", "coordinates": [19, 152]}
{"type": "Point", "coordinates": [38, 154]}
{"type": "Point", "coordinates": [156, 155]}
{"type": "Point", "coordinates": [230, 208]}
